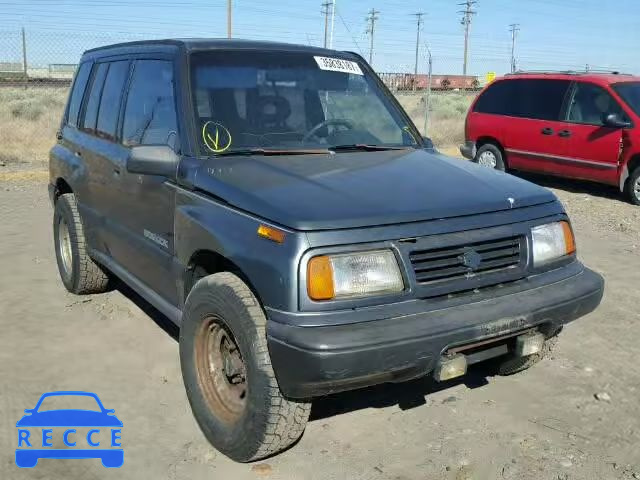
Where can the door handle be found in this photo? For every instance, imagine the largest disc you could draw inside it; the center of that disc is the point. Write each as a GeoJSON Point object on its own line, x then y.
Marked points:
{"type": "Point", "coordinates": [78, 153]}
{"type": "Point", "coordinates": [547, 131]}
{"type": "Point", "coordinates": [564, 133]}
{"type": "Point", "coordinates": [116, 171]}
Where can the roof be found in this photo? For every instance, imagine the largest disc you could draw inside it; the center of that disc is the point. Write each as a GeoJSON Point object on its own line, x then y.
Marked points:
{"type": "Point", "coordinates": [193, 44]}
{"type": "Point", "coordinates": [605, 78]}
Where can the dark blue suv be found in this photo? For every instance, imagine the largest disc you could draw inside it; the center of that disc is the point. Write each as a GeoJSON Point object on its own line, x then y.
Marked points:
{"type": "Point", "coordinates": [278, 205]}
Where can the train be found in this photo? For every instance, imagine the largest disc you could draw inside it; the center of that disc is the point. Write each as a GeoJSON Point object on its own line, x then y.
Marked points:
{"type": "Point", "coordinates": [410, 81]}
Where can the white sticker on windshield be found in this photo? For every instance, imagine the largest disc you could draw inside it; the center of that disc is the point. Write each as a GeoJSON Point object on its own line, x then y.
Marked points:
{"type": "Point", "coordinates": [338, 65]}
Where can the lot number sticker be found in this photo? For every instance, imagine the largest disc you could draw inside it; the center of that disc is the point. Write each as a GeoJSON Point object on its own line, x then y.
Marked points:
{"type": "Point", "coordinates": [338, 65]}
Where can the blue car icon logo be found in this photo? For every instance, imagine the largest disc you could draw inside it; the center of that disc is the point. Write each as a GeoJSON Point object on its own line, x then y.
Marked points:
{"type": "Point", "coordinates": [103, 430]}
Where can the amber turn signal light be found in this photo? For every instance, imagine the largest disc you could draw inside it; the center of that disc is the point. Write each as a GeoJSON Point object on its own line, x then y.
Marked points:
{"type": "Point", "coordinates": [320, 279]}
{"type": "Point", "coordinates": [569, 239]}
{"type": "Point", "coordinates": [271, 233]}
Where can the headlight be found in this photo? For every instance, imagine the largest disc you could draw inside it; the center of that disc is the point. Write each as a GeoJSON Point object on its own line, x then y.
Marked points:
{"type": "Point", "coordinates": [552, 241]}
{"type": "Point", "coordinates": [353, 275]}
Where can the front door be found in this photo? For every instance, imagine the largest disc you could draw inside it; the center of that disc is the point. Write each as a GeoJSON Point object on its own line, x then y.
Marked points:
{"type": "Point", "coordinates": [594, 148]}
{"type": "Point", "coordinates": [144, 213]}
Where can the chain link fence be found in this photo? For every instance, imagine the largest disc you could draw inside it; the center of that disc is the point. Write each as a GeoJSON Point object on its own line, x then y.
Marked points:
{"type": "Point", "coordinates": [37, 67]}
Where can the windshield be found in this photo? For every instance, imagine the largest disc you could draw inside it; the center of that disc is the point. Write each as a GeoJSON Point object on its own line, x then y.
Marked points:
{"type": "Point", "coordinates": [630, 93]}
{"type": "Point", "coordinates": [289, 100]}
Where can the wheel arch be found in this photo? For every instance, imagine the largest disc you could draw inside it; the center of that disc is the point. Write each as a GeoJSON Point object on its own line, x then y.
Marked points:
{"type": "Point", "coordinates": [61, 187]}
{"type": "Point", "coordinates": [628, 169]}
{"type": "Point", "coordinates": [481, 141]}
{"type": "Point", "coordinates": [205, 262]}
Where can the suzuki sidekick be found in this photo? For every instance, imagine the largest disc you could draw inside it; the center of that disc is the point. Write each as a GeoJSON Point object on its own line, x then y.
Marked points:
{"type": "Point", "coordinates": [278, 205]}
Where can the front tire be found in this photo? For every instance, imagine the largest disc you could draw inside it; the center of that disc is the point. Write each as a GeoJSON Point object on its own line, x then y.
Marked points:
{"type": "Point", "coordinates": [490, 156]}
{"type": "Point", "coordinates": [632, 189]}
{"type": "Point", "coordinates": [227, 372]}
{"type": "Point", "coordinates": [78, 272]}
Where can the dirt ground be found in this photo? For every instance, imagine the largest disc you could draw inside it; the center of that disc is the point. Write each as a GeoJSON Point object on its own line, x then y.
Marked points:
{"type": "Point", "coordinates": [543, 424]}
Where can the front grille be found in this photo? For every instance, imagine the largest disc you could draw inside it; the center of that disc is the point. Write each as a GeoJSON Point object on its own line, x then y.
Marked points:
{"type": "Point", "coordinates": [474, 260]}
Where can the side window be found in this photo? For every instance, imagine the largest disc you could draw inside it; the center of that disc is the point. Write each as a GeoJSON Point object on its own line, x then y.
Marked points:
{"type": "Point", "coordinates": [150, 116]}
{"type": "Point", "coordinates": [540, 99]}
{"type": "Point", "coordinates": [591, 103]}
{"type": "Point", "coordinates": [93, 103]}
{"type": "Point", "coordinates": [110, 101]}
{"type": "Point", "coordinates": [497, 99]}
{"type": "Point", "coordinates": [526, 98]}
{"type": "Point", "coordinates": [79, 86]}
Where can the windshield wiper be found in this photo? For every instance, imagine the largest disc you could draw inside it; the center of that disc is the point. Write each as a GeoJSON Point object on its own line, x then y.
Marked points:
{"type": "Point", "coordinates": [268, 151]}
{"type": "Point", "coordinates": [366, 147]}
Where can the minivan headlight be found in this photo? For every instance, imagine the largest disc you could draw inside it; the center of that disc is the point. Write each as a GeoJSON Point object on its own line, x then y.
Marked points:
{"type": "Point", "coordinates": [353, 275]}
{"type": "Point", "coordinates": [552, 241]}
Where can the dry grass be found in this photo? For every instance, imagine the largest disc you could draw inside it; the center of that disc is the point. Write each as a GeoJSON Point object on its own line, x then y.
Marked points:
{"type": "Point", "coordinates": [29, 119]}
{"type": "Point", "coordinates": [448, 112]}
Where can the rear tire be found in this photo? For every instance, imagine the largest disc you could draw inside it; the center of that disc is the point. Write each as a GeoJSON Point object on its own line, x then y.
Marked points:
{"type": "Point", "coordinates": [632, 189]}
{"type": "Point", "coordinates": [490, 156]}
{"type": "Point", "coordinates": [513, 365]}
{"type": "Point", "coordinates": [78, 272]}
{"type": "Point", "coordinates": [227, 372]}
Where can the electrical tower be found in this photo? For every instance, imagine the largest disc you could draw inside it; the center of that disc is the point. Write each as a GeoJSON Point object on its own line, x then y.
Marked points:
{"type": "Point", "coordinates": [467, 14]}
{"type": "Point", "coordinates": [418, 16]}
{"type": "Point", "coordinates": [371, 19]}
{"type": "Point", "coordinates": [325, 11]}
{"type": "Point", "coordinates": [514, 28]}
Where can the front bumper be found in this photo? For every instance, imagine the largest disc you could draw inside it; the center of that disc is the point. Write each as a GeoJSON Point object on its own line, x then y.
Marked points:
{"type": "Point", "coordinates": [468, 149]}
{"type": "Point", "coordinates": [319, 360]}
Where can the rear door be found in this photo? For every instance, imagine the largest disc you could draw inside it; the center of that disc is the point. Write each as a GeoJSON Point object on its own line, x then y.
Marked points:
{"type": "Point", "coordinates": [533, 133]}
{"type": "Point", "coordinates": [594, 149]}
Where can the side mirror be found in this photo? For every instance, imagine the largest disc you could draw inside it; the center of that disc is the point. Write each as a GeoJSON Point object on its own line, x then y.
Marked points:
{"type": "Point", "coordinates": [153, 160]}
{"type": "Point", "coordinates": [613, 120]}
{"type": "Point", "coordinates": [428, 144]}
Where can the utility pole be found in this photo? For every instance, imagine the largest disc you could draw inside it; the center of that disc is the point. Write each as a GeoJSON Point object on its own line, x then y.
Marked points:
{"type": "Point", "coordinates": [418, 16]}
{"type": "Point", "coordinates": [333, 22]}
{"type": "Point", "coordinates": [467, 14]}
{"type": "Point", "coordinates": [229, 13]}
{"type": "Point", "coordinates": [514, 28]}
{"type": "Point", "coordinates": [325, 11]}
{"type": "Point", "coordinates": [372, 18]}
{"type": "Point", "coordinates": [24, 58]}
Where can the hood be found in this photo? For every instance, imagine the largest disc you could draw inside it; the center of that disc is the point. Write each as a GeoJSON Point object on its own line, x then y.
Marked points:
{"type": "Point", "coordinates": [69, 418]}
{"type": "Point", "coordinates": [359, 189]}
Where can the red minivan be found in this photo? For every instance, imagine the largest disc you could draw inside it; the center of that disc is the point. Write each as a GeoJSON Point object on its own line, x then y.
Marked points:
{"type": "Point", "coordinates": [577, 125]}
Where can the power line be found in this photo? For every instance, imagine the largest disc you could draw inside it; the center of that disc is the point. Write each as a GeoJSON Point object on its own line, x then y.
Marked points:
{"type": "Point", "coordinates": [371, 18]}
{"type": "Point", "coordinates": [467, 14]}
{"type": "Point", "coordinates": [418, 16]}
{"type": "Point", "coordinates": [514, 28]}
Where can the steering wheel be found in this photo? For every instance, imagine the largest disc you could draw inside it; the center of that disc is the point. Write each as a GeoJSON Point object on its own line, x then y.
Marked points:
{"type": "Point", "coordinates": [332, 121]}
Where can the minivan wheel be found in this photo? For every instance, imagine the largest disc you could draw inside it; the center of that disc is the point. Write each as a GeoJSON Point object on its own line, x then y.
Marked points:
{"type": "Point", "coordinates": [227, 372]}
{"type": "Point", "coordinates": [78, 272]}
{"type": "Point", "coordinates": [633, 187]}
{"type": "Point", "coordinates": [490, 156]}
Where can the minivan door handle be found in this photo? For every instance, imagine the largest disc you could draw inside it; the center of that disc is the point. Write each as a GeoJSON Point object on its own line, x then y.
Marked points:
{"type": "Point", "coordinates": [547, 131]}
{"type": "Point", "coordinates": [564, 133]}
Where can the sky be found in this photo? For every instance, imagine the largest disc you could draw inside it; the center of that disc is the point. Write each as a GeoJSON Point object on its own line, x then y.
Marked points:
{"type": "Point", "coordinates": [558, 35]}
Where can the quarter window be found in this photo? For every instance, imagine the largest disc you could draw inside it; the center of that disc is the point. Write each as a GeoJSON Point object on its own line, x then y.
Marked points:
{"type": "Point", "coordinates": [150, 116]}
{"type": "Point", "coordinates": [79, 86]}
{"type": "Point", "coordinates": [93, 103]}
{"type": "Point", "coordinates": [110, 102]}
{"type": "Point", "coordinates": [590, 104]}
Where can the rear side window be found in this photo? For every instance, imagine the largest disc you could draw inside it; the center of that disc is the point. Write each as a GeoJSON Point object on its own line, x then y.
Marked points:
{"type": "Point", "coordinates": [79, 86]}
{"type": "Point", "coordinates": [93, 103]}
{"type": "Point", "coordinates": [537, 99]}
{"type": "Point", "coordinates": [110, 102]}
{"type": "Point", "coordinates": [150, 115]}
